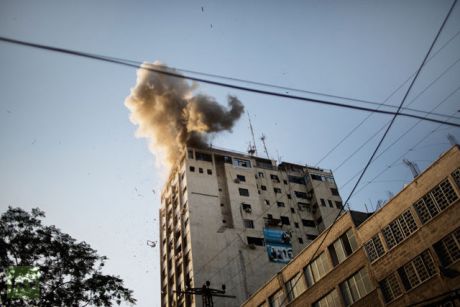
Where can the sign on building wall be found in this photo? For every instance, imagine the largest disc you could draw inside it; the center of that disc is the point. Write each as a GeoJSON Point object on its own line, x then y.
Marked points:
{"type": "Point", "coordinates": [278, 245]}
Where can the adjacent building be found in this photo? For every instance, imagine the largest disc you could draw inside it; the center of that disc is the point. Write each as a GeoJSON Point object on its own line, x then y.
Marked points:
{"type": "Point", "coordinates": [237, 219]}
{"type": "Point", "coordinates": [405, 254]}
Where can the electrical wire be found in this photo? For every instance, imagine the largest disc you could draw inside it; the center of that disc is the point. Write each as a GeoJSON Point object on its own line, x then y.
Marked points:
{"type": "Point", "coordinates": [380, 142]}
{"type": "Point", "coordinates": [216, 83]}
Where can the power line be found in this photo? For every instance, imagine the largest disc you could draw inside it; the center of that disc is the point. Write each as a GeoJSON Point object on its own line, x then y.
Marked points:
{"type": "Point", "coordinates": [402, 135]}
{"type": "Point", "coordinates": [212, 82]}
{"type": "Point", "coordinates": [394, 92]}
{"type": "Point", "coordinates": [381, 140]}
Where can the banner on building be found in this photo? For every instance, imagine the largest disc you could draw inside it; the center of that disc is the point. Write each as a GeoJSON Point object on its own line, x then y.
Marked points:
{"type": "Point", "coordinates": [278, 245]}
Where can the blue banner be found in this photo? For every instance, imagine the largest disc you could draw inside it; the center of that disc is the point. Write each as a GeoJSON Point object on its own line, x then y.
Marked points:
{"type": "Point", "coordinates": [278, 245]}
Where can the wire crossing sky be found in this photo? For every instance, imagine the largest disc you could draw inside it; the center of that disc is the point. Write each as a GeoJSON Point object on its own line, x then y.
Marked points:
{"type": "Point", "coordinates": [68, 146]}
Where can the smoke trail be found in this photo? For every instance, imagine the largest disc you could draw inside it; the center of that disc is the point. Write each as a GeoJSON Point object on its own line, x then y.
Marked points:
{"type": "Point", "coordinates": [171, 116]}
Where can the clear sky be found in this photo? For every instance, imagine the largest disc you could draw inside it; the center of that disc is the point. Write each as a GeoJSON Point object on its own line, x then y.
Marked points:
{"type": "Point", "coordinates": [68, 147]}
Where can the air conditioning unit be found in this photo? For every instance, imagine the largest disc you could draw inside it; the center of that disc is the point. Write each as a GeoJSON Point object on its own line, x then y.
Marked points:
{"type": "Point", "coordinates": [236, 180]}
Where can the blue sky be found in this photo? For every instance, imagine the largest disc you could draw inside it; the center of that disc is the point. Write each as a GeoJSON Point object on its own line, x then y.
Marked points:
{"type": "Point", "coordinates": [68, 146]}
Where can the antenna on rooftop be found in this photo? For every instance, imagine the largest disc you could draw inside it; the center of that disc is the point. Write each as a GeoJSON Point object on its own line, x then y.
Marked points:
{"type": "Point", "coordinates": [413, 167]}
{"type": "Point", "coordinates": [452, 139]}
{"type": "Point", "coordinates": [252, 149]}
{"type": "Point", "coordinates": [262, 138]}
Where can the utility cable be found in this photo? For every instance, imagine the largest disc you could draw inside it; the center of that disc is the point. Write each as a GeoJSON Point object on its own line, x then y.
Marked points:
{"type": "Point", "coordinates": [380, 142]}
{"type": "Point", "coordinates": [386, 99]}
{"type": "Point", "coordinates": [216, 83]}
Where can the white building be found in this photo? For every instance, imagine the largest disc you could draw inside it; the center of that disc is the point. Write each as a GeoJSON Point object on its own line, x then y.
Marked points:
{"type": "Point", "coordinates": [215, 207]}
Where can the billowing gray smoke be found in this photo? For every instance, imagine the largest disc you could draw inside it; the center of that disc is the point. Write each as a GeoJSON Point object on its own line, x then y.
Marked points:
{"type": "Point", "coordinates": [171, 116]}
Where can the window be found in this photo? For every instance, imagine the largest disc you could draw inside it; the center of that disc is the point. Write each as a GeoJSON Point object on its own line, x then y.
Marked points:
{"type": "Point", "coordinates": [402, 227]}
{"type": "Point", "coordinates": [330, 203]}
{"type": "Point", "coordinates": [300, 240]}
{"type": "Point", "coordinates": [264, 188]}
{"type": "Point", "coordinates": [334, 192]}
{"type": "Point", "coordinates": [319, 220]}
{"type": "Point", "coordinates": [209, 172]}
{"type": "Point", "coordinates": [311, 237]}
{"type": "Point", "coordinates": [285, 182]}
{"type": "Point", "coordinates": [275, 178]}
{"type": "Point", "coordinates": [302, 195]}
{"type": "Point", "coordinates": [390, 287]}
{"type": "Point", "coordinates": [201, 156]}
{"type": "Point", "coordinates": [374, 248]}
{"type": "Point", "coordinates": [296, 286]}
{"type": "Point", "coordinates": [343, 247]}
{"type": "Point", "coordinates": [285, 220]}
{"type": "Point", "coordinates": [261, 175]}
{"type": "Point", "coordinates": [308, 223]}
{"type": "Point", "coordinates": [255, 241]}
{"type": "Point", "coordinates": [276, 299]}
{"type": "Point", "coordinates": [317, 269]}
{"type": "Point", "coordinates": [295, 179]}
{"type": "Point", "coordinates": [243, 192]}
{"type": "Point", "coordinates": [338, 204]}
{"type": "Point", "coordinates": [456, 176]}
{"type": "Point", "coordinates": [435, 201]}
{"type": "Point", "coordinates": [241, 162]}
{"type": "Point", "coordinates": [289, 196]}
{"type": "Point", "coordinates": [296, 225]}
{"type": "Point", "coordinates": [190, 153]}
{"type": "Point", "coordinates": [316, 177]}
{"type": "Point", "coordinates": [292, 210]}
{"type": "Point", "coordinates": [241, 178]}
{"type": "Point", "coordinates": [330, 300]}
{"type": "Point", "coordinates": [303, 206]}
{"type": "Point", "coordinates": [323, 203]}
{"type": "Point", "coordinates": [192, 168]}
{"type": "Point", "coordinates": [248, 223]}
{"type": "Point", "coordinates": [267, 202]}
{"type": "Point", "coordinates": [246, 207]}
{"type": "Point", "coordinates": [228, 160]}
{"type": "Point", "coordinates": [280, 204]}
{"type": "Point", "coordinates": [448, 249]}
{"type": "Point", "coordinates": [200, 170]}
{"type": "Point", "coordinates": [356, 287]}
{"type": "Point", "coordinates": [277, 190]}
{"type": "Point", "coordinates": [417, 270]}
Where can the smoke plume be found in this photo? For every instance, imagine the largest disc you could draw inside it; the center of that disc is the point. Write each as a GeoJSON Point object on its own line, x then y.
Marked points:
{"type": "Point", "coordinates": [171, 116]}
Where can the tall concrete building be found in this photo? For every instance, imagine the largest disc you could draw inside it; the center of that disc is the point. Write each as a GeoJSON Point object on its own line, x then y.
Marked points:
{"type": "Point", "coordinates": [407, 253]}
{"type": "Point", "coordinates": [237, 219]}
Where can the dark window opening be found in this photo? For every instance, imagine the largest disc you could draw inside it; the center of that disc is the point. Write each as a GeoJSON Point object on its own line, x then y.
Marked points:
{"type": "Point", "coordinates": [255, 241]}
{"type": "Point", "coordinates": [192, 168]}
{"type": "Point", "coordinates": [330, 203]}
{"type": "Point", "coordinates": [243, 192]}
{"type": "Point", "coordinates": [280, 204]}
{"type": "Point", "coordinates": [200, 170]}
{"type": "Point", "coordinates": [241, 178]}
{"type": "Point", "coordinates": [308, 223]}
{"type": "Point", "coordinates": [335, 192]}
{"type": "Point", "coordinates": [264, 188]}
{"type": "Point", "coordinates": [300, 240]}
{"type": "Point", "coordinates": [302, 195]}
{"type": "Point", "coordinates": [209, 172]}
{"type": "Point", "coordinates": [295, 179]}
{"type": "Point", "coordinates": [201, 156]}
{"type": "Point", "coordinates": [323, 203]}
{"type": "Point", "coordinates": [248, 223]}
{"type": "Point", "coordinates": [285, 220]}
{"type": "Point", "coordinates": [277, 190]}
{"type": "Point", "coordinates": [316, 177]}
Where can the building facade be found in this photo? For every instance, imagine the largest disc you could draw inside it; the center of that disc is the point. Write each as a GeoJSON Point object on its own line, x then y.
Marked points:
{"type": "Point", "coordinates": [236, 219]}
{"type": "Point", "coordinates": [405, 254]}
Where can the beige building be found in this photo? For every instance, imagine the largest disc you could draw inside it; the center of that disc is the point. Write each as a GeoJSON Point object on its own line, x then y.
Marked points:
{"type": "Point", "coordinates": [237, 219]}
{"type": "Point", "coordinates": [405, 254]}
